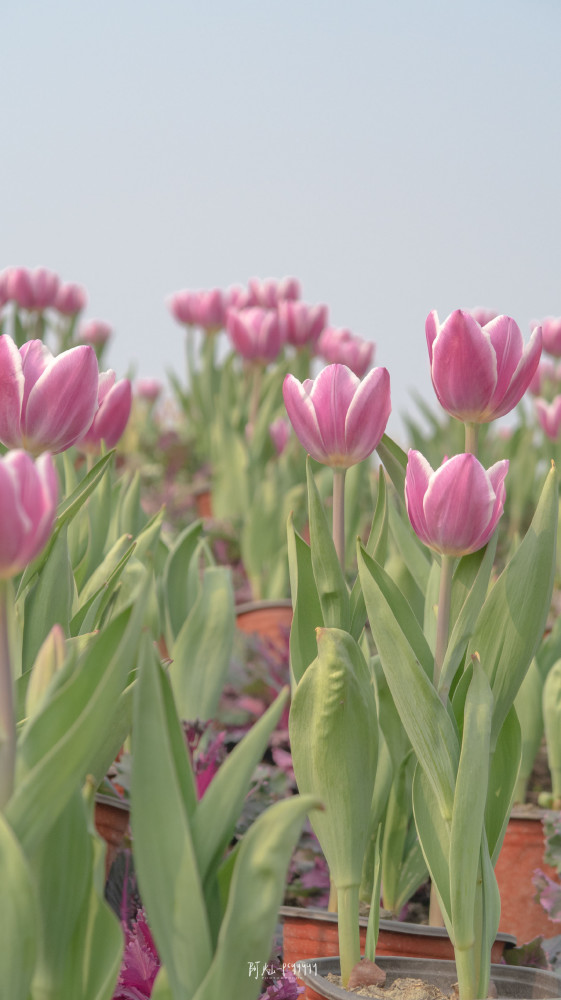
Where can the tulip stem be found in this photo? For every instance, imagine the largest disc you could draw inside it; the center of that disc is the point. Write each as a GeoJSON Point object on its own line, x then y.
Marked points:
{"type": "Point", "coordinates": [7, 721]}
{"type": "Point", "coordinates": [256, 382]}
{"type": "Point", "coordinates": [339, 514]}
{"type": "Point", "coordinates": [472, 438]}
{"type": "Point", "coordinates": [443, 616]}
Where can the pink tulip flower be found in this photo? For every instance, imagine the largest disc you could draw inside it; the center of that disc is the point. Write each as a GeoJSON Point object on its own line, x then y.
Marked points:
{"type": "Point", "coordinates": [255, 333]}
{"type": "Point", "coordinates": [46, 402]}
{"type": "Point", "coordinates": [45, 286]}
{"type": "Point", "coordinates": [280, 433]}
{"type": "Point", "coordinates": [70, 299]}
{"type": "Point", "coordinates": [206, 309]}
{"type": "Point", "coordinates": [480, 373]}
{"type": "Point", "coordinates": [19, 288]}
{"type": "Point", "coordinates": [111, 418]}
{"type": "Point", "coordinates": [28, 499]}
{"type": "Point", "coordinates": [302, 324]}
{"type": "Point", "coordinates": [549, 416]}
{"type": "Point", "coordinates": [339, 419]}
{"type": "Point", "coordinates": [454, 510]}
{"type": "Point", "coordinates": [546, 374]}
{"type": "Point", "coordinates": [148, 389]}
{"type": "Point", "coordinates": [270, 292]}
{"type": "Point", "coordinates": [32, 290]}
{"type": "Point", "coordinates": [237, 297]}
{"type": "Point", "coordinates": [551, 335]}
{"type": "Point", "coordinates": [339, 346]}
{"type": "Point", "coordinates": [95, 332]}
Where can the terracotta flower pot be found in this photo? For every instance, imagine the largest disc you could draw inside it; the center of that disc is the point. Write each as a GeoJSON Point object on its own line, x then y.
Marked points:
{"type": "Point", "coordinates": [313, 932]}
{"type": "Point", "coordinates": [522, 852]}
{"type": "Point", "coordinates": [511, 981]}
{"type": "Point", "coordinates": [203, 500]}
{"type": "Point", "coordinates": [111, 822]}
{"type": "Point", "coordinates": [270, 620]}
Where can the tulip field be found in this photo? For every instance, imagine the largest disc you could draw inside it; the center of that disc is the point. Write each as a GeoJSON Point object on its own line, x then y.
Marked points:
{"type": "Point", "coordinates": [374, 747]}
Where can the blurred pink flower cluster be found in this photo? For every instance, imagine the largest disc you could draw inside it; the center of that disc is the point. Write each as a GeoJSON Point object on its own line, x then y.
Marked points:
{"type": "Point", "coordinates": [39, 289]}
{"type": "Point", "coordinates": [266, 316]}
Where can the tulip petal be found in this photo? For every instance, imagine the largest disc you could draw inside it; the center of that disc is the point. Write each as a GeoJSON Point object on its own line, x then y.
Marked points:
{"type": "Point", "coordinates": [368, 414]}
{"type": "Point", "coordinates": [432, 326]}
{"type": "Point", "coordinates": [520, 380]}
{"type": "Point", "coordinates": [63, 401]}
{"type": "Point", "coordinates": [497, 475]}
{"type": "Point", "coordinates": [417, 479]}
{"type": "Point", "coordinates": [464, 366]}
{"type": "Point", "coordinates": [303, 417]}
{"type": "Point", "coordinates": [11, 392]}
{"type": "Point", "coordinates": [35, 357]}
{"type": "Point", "coordinates": [508, 346]}
{"type": "Point", "coordinates": [14, 522]}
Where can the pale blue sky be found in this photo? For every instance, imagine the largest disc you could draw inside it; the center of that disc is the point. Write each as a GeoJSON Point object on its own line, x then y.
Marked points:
{"type": "Point", "coordinates": [395, 157]}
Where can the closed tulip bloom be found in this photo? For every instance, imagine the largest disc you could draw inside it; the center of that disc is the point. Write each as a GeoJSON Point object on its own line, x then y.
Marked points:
{"type": "Point", "coordinates": [280, 433]}
{"type": "Point", "coordinates": [45, 285]}
{"type": "Point", "coordinates": [340, 346]}
{"type": "Point", "coordinates": [28, 499]}
{"type": "Point", "coordinates": [70, 299]}
{"type": "Point", "coordinates": [111, 418]}
{"type": "Point", "coordinates": [546, 376]}
{"type": "Point", "coordinates": [302, 324]}
{"type": "Point", "coordinates": [270, 292]}
{"type": "Point", "coordinates": [206, 309]}
{"type": "Point", "coordinates": [455, 509]}
{"type": "Point", "coordinates": [480, 373]}
{"type": "Point", "coordinates": [339, 419]}
{"type": "Point", "coordinates": [148, 389]}
{"type": "Point", "coordinates": [255, 333]}
{"type": "Point", "coordinates": [549, 416]}
{"type": "Point", "coordinates": [95, 332]}
{"type": "Point", "coordinates": [551, 335]}
{"type": "Point", "coordinates": [19, 287]}
{"type": "Point", "coordinates": [46, 402]}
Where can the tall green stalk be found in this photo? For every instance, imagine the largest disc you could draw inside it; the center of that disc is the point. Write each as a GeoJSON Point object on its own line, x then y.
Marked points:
{"type": "Point", "coordinates": [339, 514]}
{"type": "Point", "coordinates": [7, 719]}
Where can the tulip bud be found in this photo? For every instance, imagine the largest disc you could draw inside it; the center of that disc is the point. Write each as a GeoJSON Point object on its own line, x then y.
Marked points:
{"type": "Point", "coordinates": [70, 299]}
{"type": "Point", "coordinates": [95, 332]}
{"type": "Point", "coordinates": [302, 324]}
{"type": "Point", "coordinates": [549, 416]}
{"type": "Point", "coordinates": [339, 419]}
{"type": "Point", "coordinates": [269, 293]}
{"type": "Point", "coordinates": [46, 402]}
{"type": "Point", "coordinates": [206, 309]}
{"type": "Point", "coordinates": [456, 509]}
{"type": "Point", "coordinates": [280, 433]}
{"type": "Point", "coordinates": [480, 373]}
{"type": "Point", "coordinates": [344, 348]}
{"type": "Point", "coordinates": [148, 389]}
{"type": "Point", "coordinates": [551, 335]}
{"type": "Point", "coordinates": [28, 499]}
{"type": "Point", "coordinates": [255, 333]}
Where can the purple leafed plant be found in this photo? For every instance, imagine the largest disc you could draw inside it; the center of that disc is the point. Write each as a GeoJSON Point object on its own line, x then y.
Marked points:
{"type": "Point", "coordinates": [140, 961]}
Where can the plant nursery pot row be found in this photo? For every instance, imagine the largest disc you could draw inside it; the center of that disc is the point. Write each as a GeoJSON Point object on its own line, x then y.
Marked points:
{"type": "Point", "coordinates": [269, 620]}
{"type": "Point", "coordinates": [309, 933]}
{"type": "Point", "coordinates": [516, 982]}
{"type": "Point", "coordinates": [522, 852]}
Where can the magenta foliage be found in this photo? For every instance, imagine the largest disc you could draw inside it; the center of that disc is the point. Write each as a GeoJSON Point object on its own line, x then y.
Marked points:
{"type": "Point", "coordinates": [140, 962]}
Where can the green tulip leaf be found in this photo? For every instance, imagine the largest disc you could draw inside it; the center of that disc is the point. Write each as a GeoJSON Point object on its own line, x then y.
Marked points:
{"type": "Point", "coordinates": [19, 917]}
{"type": "Point", "coordinates": [177, 602]}
{"type": "Point", "coordinates": [256, 891]}
{"type": "Point", "coordinates": [307, 613]}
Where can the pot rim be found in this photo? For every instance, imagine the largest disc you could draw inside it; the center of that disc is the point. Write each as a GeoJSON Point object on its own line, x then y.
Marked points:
{"type": "Point", "coordinates": [281, 602]}
{"type": "Point", "coordinates": [110, 800]}
{"type": "Point", "coordinates": [310, 971]}
{"type": "Point", "coordinates": [395, 926]}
